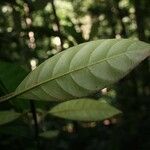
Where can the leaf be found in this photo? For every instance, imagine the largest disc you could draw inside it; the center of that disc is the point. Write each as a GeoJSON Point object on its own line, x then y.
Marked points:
{"type": "Point", "coordinates": [11, 76]}
{"type": "Point", "coordinates": [81, 70]}
{"type": "Point", "coordinates": [10, 79]}
{"type": "Point", "coordinates": [49, 134]}
{"type": "Point", "coordinates": [8, 116]}
{"type": "Point", "coordinates": [16, 131]}
{"type": "Point", "coordinates": [84, 110]}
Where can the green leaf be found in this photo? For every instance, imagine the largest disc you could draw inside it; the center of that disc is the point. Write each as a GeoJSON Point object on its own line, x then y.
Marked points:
{"type": "Point", "coordinates": [49, 134]}
{"type": "Point", "coordinates": [84, 110]}
{"type": "Point", "coordinates": [81, 70]}
{"type": "Point", "coordinates": [11, 76]}
{"type": "Point", "coordinates": [8, 116]}
{"type": "Point", "coordinates": [16, 131]}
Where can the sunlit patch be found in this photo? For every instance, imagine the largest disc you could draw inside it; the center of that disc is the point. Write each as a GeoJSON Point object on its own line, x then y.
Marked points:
{"type": "Point", "coordinates": [48, 7]}
{"type": "Point", "coordinates": [123, 4]}
{"type": "Point", "coordinates": [102, 17]}
{"type": "Point", "coordinates": [56, 41]}
{"type": "Point", "coordinates": [33, 63]}
{"type": "Point", "coordinates": [86, 26]}
{"type": "Point", "coordinates": [53, 51]}
{"type": "Point", "coordinates": [31, 42]}
{"type": "Point", "coordinates": [125, 19]}
{"type": "Point", "coordinates": [104, 91]}
{"type": "Point", "coordinates": [69, 128]}
{"type": "Point", "coordinates": [6, 9]}
{"type": "Point", "coordinates": [118, 36]}
{"type": "Point", "coordinates": [9, 29]}
{"type": "Point", "coordinates": [65, 45]}
{"type": "Point", "coordinates": [55, 28]}
{"type": "Point", "coordinates": [106, 122]}
{"type": "Point", "coordinates": [133, 26]}
{"type": "Point", "coordinates": [28, 21]}
{"type": "Point", "coordinates": [26, 8]}
{"type": "Point", "coordinates": [132, 10]}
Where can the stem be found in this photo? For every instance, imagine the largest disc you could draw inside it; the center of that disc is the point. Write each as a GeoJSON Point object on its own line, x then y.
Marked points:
{"type": "Point", "coordinates": [110, 17]}
{"type": "Point", "coordinates": [36, 128]}
{"type": "Point", "coordinates": [120, 16]}
{"type": "Point", "coordinates": [139, 20]}
{"type": "Point", "coordinates": [57, 23]}
{"type": "Point", "coordinates": [33, 110]}
{"type": "Point", "coordinates": [7, 97]}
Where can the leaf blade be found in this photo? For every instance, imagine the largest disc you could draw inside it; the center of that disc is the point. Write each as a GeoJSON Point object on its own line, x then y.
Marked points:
{"type": "Point", "coordinates": [49, 134]}
{"type": "Point", "coordinates": [8, 116]}
{"type": "Point", "coordinates": [17, 74]}
{"type": "Point", "coordinates": [84, 110]}
{"type": "Point", "coordinates": [83, 69]}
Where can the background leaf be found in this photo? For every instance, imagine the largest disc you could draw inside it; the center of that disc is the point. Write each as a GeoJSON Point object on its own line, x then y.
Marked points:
{"type": "Point", "coordinates": [49, 134]}
{"type": "Point", "coordinates": [11, 75]}
{"type": "Point", "coordinates": [83, 69]}
{"type": "Point", "coordinates": [9, 80]}
{"type": "Point", "coordinates": [16, 130]}
{"type": "Point", "coordinates": [8, 116]}
{"type": "Point", "coordinates": [84, 110]}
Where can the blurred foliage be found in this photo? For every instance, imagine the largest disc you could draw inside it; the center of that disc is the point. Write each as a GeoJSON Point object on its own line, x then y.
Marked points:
{"type": "Point", "coordinates": [34, 30]}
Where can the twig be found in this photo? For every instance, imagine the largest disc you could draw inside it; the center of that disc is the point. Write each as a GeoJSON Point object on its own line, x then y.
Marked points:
{"type": "Point", "coordinates": [36, 128]}
{"type": "Point", "coordinates": [7, 97]}
{"type": "Point", "coordinates": [57, 23]}
{"type": "Point", "coordinates": [33, 110]}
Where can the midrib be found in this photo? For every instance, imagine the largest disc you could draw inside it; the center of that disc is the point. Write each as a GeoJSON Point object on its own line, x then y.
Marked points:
{"type": "Point", "coordinates": [69, 72]}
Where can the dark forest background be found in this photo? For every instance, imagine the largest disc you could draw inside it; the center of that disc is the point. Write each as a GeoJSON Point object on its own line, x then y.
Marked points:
{"type": "Point", "coordinates": [33, 30]}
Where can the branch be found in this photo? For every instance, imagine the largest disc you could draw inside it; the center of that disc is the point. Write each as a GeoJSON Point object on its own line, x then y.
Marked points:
{"type": "Point", "coordinates": [57, 23]}
{"type": "Point", "coordinates": [33, 111]}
